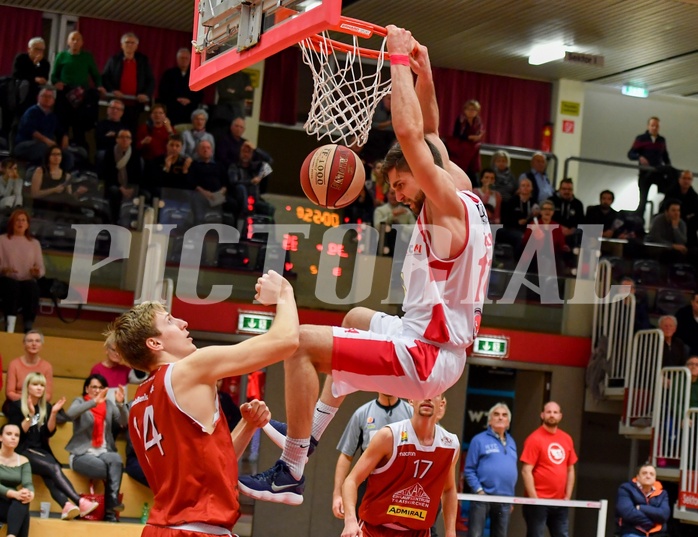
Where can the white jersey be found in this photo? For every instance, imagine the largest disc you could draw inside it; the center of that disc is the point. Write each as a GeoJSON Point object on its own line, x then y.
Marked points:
{"type": "Point", "coordinates": [444, 297]}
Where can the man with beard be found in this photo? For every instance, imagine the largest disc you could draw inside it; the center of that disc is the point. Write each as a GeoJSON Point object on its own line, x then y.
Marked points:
{"type": "Point", "coordinates": [548, 472]}
{"type": "Point", "coordinates": [403, 457]}
{"type": "Point", "coordinates": [446, 268]}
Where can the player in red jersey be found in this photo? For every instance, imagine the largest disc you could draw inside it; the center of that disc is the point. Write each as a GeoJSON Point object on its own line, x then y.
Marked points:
{"type": "Point", "coordinates": [408, 466]}
{"type": "Point", "coordinates": [445, 273]}
{"type": "Point", "coordinates": [178, 430]}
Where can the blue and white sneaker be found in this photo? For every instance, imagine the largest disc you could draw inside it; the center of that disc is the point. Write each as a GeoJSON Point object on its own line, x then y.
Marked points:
{"type": "Point", "coordinates": [276, 431]}
{"type": "Point", "coordinates": [275, 485]}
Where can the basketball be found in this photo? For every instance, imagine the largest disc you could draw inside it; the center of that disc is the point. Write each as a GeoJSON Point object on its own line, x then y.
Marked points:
{"type": "Point", "coordinates": [332, 176]}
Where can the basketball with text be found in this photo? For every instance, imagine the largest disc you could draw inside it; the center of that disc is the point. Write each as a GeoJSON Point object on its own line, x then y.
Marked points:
{"type": "Point", "coordinates": [332, 176]}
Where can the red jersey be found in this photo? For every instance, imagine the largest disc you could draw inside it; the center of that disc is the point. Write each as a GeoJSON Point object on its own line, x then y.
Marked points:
{"type": "Point", "coordinates": [406, 491]}
{"type": "Point", "coordinates": [550, 454]}
{"type": "Point", "coordinates": [444, 297]}
{"type": "Point", "coordinates": [193, 474]}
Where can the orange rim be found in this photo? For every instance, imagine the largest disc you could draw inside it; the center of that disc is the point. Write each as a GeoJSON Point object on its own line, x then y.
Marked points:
{"type": "Point", "coordinates": [355, 27]}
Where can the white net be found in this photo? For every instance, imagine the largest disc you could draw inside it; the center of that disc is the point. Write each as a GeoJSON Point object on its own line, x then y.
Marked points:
{"type": "Point", "coordinates": [346, 90]}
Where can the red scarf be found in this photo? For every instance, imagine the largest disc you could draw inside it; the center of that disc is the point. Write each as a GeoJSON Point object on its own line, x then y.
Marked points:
{"type": "Point", "coordinates": [99, 413]}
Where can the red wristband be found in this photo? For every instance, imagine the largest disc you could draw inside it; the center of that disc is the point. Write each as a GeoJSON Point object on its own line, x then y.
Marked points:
{"type": "Point", "coordinates": [400, 59]}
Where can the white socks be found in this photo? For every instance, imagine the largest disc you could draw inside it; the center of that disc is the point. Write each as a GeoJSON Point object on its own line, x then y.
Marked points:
{"type": "Point", "coordinates": [10, 321]}
{"type": "Point", "coordinates": [295, 455]}
{"type": "Point", "coordinates": [321, 418]}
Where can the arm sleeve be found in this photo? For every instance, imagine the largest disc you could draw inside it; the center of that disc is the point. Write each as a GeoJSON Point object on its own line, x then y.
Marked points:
{"type": "Point", "coordinates": [94, 71]}
{"type": "Point", "coordinates": [78, 407]}
{"type": "Point", "coordinates": [17, 67]}
{"type": "Point", "coordinates": [659, 514]}
{"type": "Point", "coordinates": [471, 463]}
{"type": "Point", "coordinates": [149, 88]}
{"type": "Point", "coordinates": [26, 476]}
{"type": "Point", "coordinates": [634, 154]}
{"type": "Point", "coordinates": [625, 509]}
{"type": "Point", "coordinates": [57, 68]}
{"type": "Point", "coordinates": [10, 390]}
{"type": "Point", "coordinates": [39, 258]}
{"type": "Point", "coordinates": [107, 75]}
{"type": "Point", "coordinates": [14, 414]}
{"type": "Point", "coordinates": [350, 442]}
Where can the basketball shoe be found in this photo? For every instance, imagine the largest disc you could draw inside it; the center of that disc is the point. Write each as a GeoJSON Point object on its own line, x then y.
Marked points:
{"type": "Point", "coordinates": [275, 485]}
{"type": "Point", "coordinates": [276, 431]}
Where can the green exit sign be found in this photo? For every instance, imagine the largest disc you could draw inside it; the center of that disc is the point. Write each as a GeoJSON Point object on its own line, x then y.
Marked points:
{"type": "Point", "coordinates": [491, 346]}
{"type": "Point", "coordinates": [254, 323]}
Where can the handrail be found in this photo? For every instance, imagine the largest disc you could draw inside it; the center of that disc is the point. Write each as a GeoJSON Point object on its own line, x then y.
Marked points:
{"type": "Point", "coordinates": [586, 160]}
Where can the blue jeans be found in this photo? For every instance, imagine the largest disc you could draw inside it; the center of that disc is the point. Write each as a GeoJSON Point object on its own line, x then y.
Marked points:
{"type": "Point", "coordinates": [538, 516]}
{"type": "Point", "coordinates": [499, 519]}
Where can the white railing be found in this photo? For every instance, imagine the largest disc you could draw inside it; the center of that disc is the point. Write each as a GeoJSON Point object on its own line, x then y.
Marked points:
{"type": "Point", "coordinates": [620, 335]}
{"type": "Point", "coordinates": [671, 401]}
{"type": "Point", "coordinates": [601, 505]}
{"type": "Point", "coordinates": [641, 380]}
{"type": "Point", "coordinates": [602, 306]}
{"type": "Point", "coordinates": [688, 484]}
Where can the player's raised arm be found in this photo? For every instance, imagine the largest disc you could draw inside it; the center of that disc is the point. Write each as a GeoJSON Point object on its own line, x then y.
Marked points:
{"type": "Point", "coordinates": [435, 182]}
{"type": "Point", "coordinates": [209, 364]}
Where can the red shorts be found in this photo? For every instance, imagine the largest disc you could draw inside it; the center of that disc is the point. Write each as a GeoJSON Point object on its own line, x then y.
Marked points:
{"type": "Point", "coordinates": [382, 531]}
{"type": "Point", "coordinates": [384, 359]}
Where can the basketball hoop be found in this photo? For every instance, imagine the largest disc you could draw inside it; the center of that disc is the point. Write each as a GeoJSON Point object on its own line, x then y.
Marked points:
{"type": "Point", "coordinates": [345, 94]}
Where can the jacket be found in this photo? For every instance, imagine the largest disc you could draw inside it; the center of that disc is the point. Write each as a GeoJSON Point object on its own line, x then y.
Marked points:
{"type": "Point", "coordinates": [145, 81]}
{"type": "Point", "coordinates": [639, 514]}
{"type": "Point", "coordinates": [83, 421]}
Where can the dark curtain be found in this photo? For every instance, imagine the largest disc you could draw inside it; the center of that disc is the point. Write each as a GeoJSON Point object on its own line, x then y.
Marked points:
{"type": "Point", "coordinates": [17, 27]}
{"type": "Point", "coordinates": [280, 90]}
{"type": "Point", "coordinates": [513, 112]}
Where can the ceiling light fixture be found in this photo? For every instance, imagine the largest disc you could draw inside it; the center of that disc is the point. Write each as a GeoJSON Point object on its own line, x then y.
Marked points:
{"type": "Point", "coordinates": [541, 54]}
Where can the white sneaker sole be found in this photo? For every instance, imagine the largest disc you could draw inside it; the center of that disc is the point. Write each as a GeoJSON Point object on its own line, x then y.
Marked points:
{"type": "Point", "coordinates": [288, 498]}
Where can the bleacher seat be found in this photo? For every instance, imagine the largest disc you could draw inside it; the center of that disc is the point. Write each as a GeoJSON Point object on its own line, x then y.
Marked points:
{"type": "Point", "coordinates": [669, 301]}
{"type": "Point", "coordinates": [647, 272]}
{"type": "Point", "coordinates": [682, 275]}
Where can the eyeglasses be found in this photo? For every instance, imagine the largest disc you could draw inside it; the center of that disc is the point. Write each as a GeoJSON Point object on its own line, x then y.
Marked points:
{"type": "Point", "coordinates": [99, 387]}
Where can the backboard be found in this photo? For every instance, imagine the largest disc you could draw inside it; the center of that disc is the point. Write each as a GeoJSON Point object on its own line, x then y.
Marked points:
{"type": "Point", "coordinates": [230, 35]}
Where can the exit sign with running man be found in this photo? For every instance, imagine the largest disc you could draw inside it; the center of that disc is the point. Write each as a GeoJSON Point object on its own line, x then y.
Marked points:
{"type": "Point", "coordinates": [491, 346]}
{"type": "Point", "coordinates": [254, 323]}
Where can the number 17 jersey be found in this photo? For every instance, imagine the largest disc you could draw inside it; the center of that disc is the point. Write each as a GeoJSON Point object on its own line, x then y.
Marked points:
{"type": "Point", "coordinates": [192, 473]}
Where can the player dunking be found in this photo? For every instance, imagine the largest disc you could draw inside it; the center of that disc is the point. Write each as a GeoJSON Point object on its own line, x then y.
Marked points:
{"type": "Point", "coordinates": [177, 428]}
{"type": "Point", "coordinates": [445, 274]}
{"type": "Point", "coordinates": [408, 466]}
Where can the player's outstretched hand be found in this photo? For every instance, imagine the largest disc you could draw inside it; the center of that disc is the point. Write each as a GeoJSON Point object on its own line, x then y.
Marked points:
{"type": "Point", "coordinates": [269, 288]}
{"type": "Point", "coordinates": [255, 413]}
{"type": "Point", "coordinates": [400, 41]}
{"type": "Point", "coordinates": [419, 61]}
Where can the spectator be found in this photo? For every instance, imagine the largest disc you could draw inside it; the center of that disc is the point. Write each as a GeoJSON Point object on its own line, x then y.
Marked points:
{"type": "Point", "coordinates": [642, 506]}
{"type": "Point", "coordinates": [642, 309]}
{"type": "Point", "coordinates": [392, 212]}
{"type": "Point", "coordinates": [490, 468]}
{"type": "Point", "coordinates": [51, 189]}
{"type": "Point", "coordinates": [381, 136]}
{"type": "Point", "coordinates": [10, 185]}
{"type": "Point", "coordinates": [113, 370]}
{"type": "Point", "coordinates": [244, 178]}
{"type": "Point", "coordinates": [39, 130]}
{"type": "Point", "coordinates": [152, 136]}
{"type": "Point", "coordinates": [517, 212]}
{"type": "Point", "coordinates": [548, 472]}
{"type": "Point", "coordinates": [605, 215]}
{"type": "Point", "coordinates": [469, 132]}
{"type": "Point", "coordinates": [29, 362]}
{"type": "Point", "coordinates": [683, 191]}
{"type": "Point", "coordinates": [692, 365]}
{"type": "Point", "coordinates": [173, 167]}
{"type": "Point", "coordinates": [76, 103]}
{"type": "Point", "coordinates": [649, 149]}
{"type": "Point", "coordinates": [489, 195]}
{"type": "Point", "coordinates": [128, 76]}
{"type": "Point", "coordinates": [32, 67]}
{"type": "Point", "coordinates": [36, 418]}
{"type": "Point", "coordinates": [542, 189]}
{"type": "Point", "coordinates": [16, 487]}
{"type": "Point", "coordinates": [668, 229]}
{"type": "Point", "coordinates": [92, 448]}
{"type": "Point", "coordinates": [675, 352]}
{"type": "Point", "coordinates": [366, 421]}
{"type": "Point", "coordinates": [122, 172]}
{"type": "Point", "coordinates": [208, 179]}
{"type": "Point", "coordinates": [174, 91]}
{"type": "Point", "coordinates": [107, 129]}
{"type": "Point", "coordinates": [434, 447]}
{"type": "Point", "coordinates": [360, 211]}
{"type": "Point", "coordinates": [21, 264]}
{"type": "Point", "coordinates": [229, 146]}
{"type": "Point", "coordinates": [687, 324]}
{"type": "Point", "coordinates": [506, 184]}
{"type": "Point", "coordinates": [569, 211]}
{"type": "Point", "coordinates": [542, 230]}
{"type": "Point", "coordinates": [233, 92]}
{"type": "Point", "coordinates": [196, 134]}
